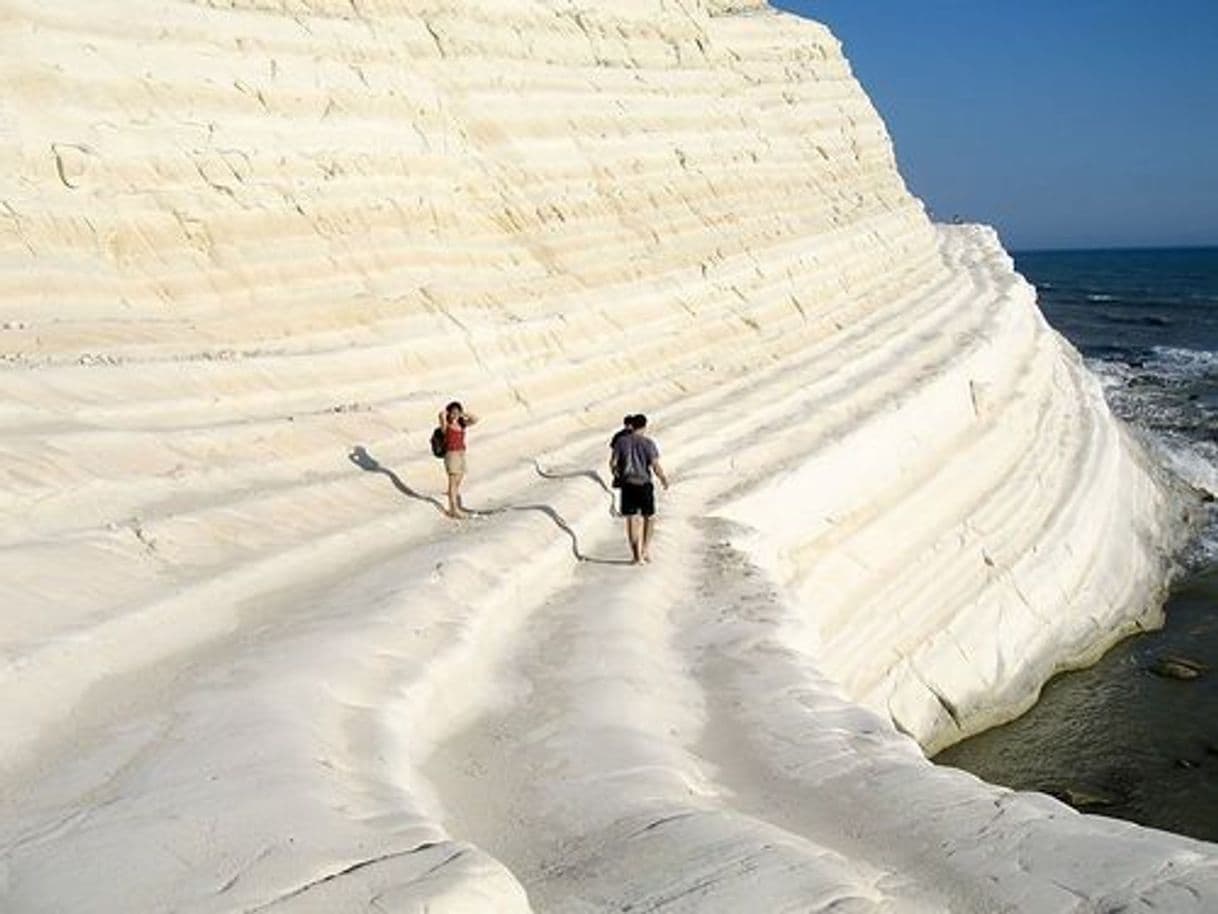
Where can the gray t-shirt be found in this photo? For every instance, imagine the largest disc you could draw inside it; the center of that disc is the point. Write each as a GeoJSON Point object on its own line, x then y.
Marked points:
{"type": "Point", "coordinates": [633, 456]}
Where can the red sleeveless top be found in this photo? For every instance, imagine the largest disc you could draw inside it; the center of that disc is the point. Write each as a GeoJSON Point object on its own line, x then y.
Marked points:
{"type": "Point", "coordinates": [454, 437]}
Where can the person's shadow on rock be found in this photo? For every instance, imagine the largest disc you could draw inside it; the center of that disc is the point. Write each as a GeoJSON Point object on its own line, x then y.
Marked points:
{"type": "Point", "coordinates": [359, 456]}
{"type": "Point", "coordinates": [365, 461]}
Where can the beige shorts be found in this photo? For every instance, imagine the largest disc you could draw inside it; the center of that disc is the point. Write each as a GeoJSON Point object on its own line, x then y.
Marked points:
{"type": "Point", "coordinates": [454, 463]}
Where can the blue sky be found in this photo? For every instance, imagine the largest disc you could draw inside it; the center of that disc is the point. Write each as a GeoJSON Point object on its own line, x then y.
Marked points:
{"type": "Point", "coordinates": [1065, 123]}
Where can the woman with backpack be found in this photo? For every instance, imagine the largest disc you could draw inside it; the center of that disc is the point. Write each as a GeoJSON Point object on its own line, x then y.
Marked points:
{"type": "Point", "coordinates": [453, 422]}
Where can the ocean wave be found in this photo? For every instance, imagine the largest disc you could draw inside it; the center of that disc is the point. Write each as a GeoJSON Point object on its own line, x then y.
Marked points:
{"type": "Point", "coordinates": [1159, 363]}
{"type": "Point", "coordinates": [1098, 297]}
{"type": "Point", "coordinates": [1196, 462]}
{"type": "Point", "coordinates": [1193, 362]}
{"type": "Point", "coordinates": [1157, 393]}
{"type": "Point", "coordinates": [1113, 373]}
{"type": "Point", "coordinates": [1134, 320]}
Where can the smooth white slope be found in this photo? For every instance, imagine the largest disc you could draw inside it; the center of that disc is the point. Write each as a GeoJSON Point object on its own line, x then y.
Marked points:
{"type": "Point", "coordinates": [609, 736]}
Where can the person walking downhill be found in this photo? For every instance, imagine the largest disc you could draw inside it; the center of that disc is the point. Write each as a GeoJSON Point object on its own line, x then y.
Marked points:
{"type": "Point", "coordinates": [453, 422]}
{"type": "Point", "coordinates": [635, 458]}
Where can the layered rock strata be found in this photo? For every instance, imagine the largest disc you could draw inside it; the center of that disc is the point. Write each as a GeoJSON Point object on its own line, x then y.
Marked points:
{"type": "Point", "coordinates": [248, 248]}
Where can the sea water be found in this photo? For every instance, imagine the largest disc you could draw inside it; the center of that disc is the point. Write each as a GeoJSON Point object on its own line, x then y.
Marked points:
{"type": "Point", "coordinates": [1117, 739]}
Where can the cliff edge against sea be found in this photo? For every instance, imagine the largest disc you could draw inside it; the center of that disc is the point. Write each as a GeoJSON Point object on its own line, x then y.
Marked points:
{"type": "Point", "coordinates": [248, 249]}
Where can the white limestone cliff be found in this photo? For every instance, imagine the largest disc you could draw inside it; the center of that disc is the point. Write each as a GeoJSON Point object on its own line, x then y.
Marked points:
{"type": "Point", "coordinates": [248, 248]}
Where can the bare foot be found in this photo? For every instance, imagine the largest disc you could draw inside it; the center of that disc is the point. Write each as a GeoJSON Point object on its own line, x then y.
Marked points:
{"type": "Point", "coordinates": [457, 515]}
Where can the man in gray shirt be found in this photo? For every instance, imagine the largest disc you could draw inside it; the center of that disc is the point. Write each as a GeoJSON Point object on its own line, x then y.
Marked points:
{"type": "Point", "coordinates": [635, 457]}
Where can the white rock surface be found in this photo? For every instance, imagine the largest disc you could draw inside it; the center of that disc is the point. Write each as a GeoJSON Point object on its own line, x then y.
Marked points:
{"type": "Point", "coordinates": [248, 248]}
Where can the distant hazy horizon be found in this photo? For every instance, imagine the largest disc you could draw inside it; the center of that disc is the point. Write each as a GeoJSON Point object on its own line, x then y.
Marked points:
{"type": "Point", "coordinates": [1078, 126]}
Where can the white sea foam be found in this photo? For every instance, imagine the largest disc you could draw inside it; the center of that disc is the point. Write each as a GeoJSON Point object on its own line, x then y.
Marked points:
{"type": "Point", "coordinates": [1196, 462]}
{"type": "Point", "coordinates": [1162, 420]}
{"type": "Point", "coordinates": [1185, 364]}
{"type": "Point", "coordinates": [1159, 416]}
{"type": "Point", "coordinates": [1112, 375]}
{"type": "Point", "coordinates": [1166, 363]}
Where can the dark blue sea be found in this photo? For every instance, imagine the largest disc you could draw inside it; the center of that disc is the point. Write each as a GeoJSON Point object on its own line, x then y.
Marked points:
{"type": "Point", "coordinates": [1117, 739]}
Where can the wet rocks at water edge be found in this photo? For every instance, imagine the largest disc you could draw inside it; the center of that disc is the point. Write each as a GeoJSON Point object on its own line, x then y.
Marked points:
{"type": "Point", "coordinates": [1181, 668]}
{"type": "Point", "coordinates": [1087, 799]}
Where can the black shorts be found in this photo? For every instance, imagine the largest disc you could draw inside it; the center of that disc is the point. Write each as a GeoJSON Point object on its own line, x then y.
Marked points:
{"type": "Point", "coordinates": [638, 499]}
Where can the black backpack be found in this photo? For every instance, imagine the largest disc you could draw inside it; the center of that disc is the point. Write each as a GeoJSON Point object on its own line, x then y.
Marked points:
{"type": "Point", "coordinates": [438, 447]}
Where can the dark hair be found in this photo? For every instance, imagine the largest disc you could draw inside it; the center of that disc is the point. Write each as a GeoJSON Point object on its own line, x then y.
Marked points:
{"type": "Point", "coordinates": [627, 420]}
{"type": "Point", "coordinates": [454, 405]}
{"type": "Point", "coordinates": [638, 421]}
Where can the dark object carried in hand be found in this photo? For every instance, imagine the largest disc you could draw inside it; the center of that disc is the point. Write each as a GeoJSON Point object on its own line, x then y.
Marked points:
{"type": "Point", "coordinates": [438, 446]}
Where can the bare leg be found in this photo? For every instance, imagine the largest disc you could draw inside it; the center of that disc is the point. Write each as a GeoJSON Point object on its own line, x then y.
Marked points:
{"type": "Point", "coordinates": [634, 537]}
{"type": "Point", "coordinates": [454, 495]}
{"type": "Point", "coordinates": [647, 528]}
